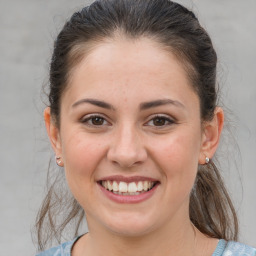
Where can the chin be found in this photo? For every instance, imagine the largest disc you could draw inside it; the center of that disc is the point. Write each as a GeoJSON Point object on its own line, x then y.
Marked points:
{"type": "Point", "coordinates": [130, 226]}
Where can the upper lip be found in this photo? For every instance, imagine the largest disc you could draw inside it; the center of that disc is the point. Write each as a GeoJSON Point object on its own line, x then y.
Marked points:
{"type": "Point", "coordinates": [127, 179]}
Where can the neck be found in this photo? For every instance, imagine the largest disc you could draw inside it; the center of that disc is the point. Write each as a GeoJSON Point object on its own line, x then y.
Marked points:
{"type": "Point", "coordinates": [178, 240]}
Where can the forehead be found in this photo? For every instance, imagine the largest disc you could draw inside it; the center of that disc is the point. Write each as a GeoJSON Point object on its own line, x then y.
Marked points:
{"type": "Point", "coordinates": [129, 65]}
{"type": "Point", "coordinates": [132, 53]}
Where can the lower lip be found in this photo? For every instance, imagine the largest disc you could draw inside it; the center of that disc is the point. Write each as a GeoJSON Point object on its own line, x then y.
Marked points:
{"type": "Point", "coordinates": [133, 199]}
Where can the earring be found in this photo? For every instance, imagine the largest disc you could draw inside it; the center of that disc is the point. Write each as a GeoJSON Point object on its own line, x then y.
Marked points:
{"type": "Point", "coordinates": [58, 160]}
{"type": "Point", "coordinates": [207, 160]}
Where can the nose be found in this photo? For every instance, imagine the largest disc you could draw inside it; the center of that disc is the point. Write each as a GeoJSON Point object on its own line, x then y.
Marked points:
{"type": "Point", "coordinates": [127, 148]}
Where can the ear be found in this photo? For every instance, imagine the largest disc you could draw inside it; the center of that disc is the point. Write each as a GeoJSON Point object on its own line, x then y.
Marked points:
{"type": "Point", "coordinates": [53, 132]}
{"type": "Point", "coordinates": [211, 135]}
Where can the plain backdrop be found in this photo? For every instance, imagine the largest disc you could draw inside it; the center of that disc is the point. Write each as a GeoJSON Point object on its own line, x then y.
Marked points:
{"type": "Point", "coordinates": [27, 31]}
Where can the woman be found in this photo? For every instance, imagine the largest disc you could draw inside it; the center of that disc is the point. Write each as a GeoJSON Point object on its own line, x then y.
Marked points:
{"type": "Point", "coordinates": [133, 120]}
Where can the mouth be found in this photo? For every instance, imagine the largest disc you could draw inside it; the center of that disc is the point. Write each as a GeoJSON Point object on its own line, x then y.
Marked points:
{"type": "Point", "coordinates": [128, 188]}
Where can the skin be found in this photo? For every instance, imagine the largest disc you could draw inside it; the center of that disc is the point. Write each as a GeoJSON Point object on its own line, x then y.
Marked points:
{"type": "Point", "coordinates": [129, 141]}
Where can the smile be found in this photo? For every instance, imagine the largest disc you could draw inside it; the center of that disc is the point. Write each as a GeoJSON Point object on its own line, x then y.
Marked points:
{"type": "Point", "coordinates": [127, 188]}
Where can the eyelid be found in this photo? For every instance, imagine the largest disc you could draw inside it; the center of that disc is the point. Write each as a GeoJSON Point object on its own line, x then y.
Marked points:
{"type": "Point", "coordinates": [164, 116]}
{"type": "Point", "coordinates": [87, 117]}
{"type": "Point", "coordinates": [170, 120]}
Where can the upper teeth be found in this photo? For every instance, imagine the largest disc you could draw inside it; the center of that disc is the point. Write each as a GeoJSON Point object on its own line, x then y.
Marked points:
{"type": "Point", "coordinates": [124, 187]}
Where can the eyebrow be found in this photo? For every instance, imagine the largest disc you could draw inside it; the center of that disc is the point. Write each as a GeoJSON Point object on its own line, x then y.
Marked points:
{"type": "Point", "coordinates": [95, 102]}
{"type": "Point", "coordinates": [143, 105]}
{"type": "Point", "coordinates": [161, 102]}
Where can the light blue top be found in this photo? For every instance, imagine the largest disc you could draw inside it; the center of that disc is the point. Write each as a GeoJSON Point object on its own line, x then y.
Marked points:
{"type": "Point", "coordinates": [223, 249]}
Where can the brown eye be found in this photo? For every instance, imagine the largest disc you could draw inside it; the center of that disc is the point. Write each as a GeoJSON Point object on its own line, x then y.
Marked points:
{"type": "Point", "coordinates": [94, 120]}
{"type": "Point", "coordinates": [97, 120]}
{"type": "Point", "coordinates": [159, 121]}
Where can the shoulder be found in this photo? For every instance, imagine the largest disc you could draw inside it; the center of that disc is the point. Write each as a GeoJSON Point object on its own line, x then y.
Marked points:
{"type": "Point", "coordinates": [232, 248]}
{"type": "Point", "coordinates": [60, 250]}
{"type": "Point", "coordinates": [237, 249]}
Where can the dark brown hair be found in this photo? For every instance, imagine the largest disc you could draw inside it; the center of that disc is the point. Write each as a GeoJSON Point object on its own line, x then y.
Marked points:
{"type": "Point", "coordinates": [177, 30]}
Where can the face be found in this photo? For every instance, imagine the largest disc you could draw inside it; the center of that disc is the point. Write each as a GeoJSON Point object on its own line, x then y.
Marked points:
{"type": "Point", "coordinates": [130, 137]}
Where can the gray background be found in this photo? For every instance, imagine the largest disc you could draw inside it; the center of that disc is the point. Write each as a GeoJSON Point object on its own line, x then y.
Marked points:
{"type": "Point", "coordinates": [28, 28]}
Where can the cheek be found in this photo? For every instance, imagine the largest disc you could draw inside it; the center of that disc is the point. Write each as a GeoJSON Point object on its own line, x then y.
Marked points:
{"type": "Point", "coordinates": [178, 154]}
{"type": "Point", "coordinates": [179, 146]}
{"type": "Point", "coordinates": [82, 154]}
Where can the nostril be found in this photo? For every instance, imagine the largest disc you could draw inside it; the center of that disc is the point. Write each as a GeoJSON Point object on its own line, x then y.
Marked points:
{"type": "Point", "coordinates": [127, 160]}
{"type": "Point", "coordinates": [127, 150]}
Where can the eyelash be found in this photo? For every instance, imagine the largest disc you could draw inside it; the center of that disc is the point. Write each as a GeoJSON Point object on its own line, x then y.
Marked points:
{"type": "Point", "coordinates": [89, 121]}
{"type": "Point", "coordinates": [167, 121]}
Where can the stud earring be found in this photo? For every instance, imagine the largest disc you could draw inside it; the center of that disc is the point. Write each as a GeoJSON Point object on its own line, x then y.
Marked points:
{"type": "Point", "coordinates": [207, 160]}
{"type": "Point", "coordinates": [58, 160]}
